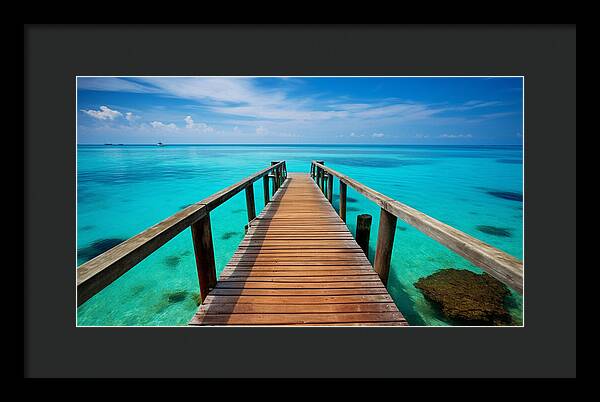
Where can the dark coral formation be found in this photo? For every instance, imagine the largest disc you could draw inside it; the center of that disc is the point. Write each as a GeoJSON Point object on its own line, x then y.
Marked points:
{"type": "Point", "coordinates": [168, 299]}
{"type": "Point", "coordinates": [467, 297]}
{"type": "Point", "coordinates": [336, 198]}
{"type": "Point", "coordinates": [229, 235]}
{"type": "Point", "coordinates": [96, 248]}
{"type": "Point", "coordinates": [176, 297]}
{"type": "Point", "coordinates": [507, 195]}
{"type": "Point", "coordinates": [494, 230]}
{"type": "Point", "coordinates": [136, 290]}
{"type": "Point", "coordinates": [172, 261]}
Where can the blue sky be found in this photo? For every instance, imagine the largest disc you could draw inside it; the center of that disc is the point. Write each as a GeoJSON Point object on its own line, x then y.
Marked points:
{"type": "Point", "coordinates": [308, 110]}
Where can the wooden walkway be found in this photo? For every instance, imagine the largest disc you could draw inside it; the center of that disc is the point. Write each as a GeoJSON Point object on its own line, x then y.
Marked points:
{"type": "Point", "coordinates": [298, 265]}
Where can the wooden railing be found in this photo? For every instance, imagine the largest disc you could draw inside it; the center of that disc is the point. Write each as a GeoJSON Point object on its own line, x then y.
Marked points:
{"type": "Point", "coordinates": [101, 271]}
{"type": "Point", "coordinates": [497, 263]}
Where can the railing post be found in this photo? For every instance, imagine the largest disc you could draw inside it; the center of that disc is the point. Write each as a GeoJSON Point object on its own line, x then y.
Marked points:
{"type": "Point", "coordinates": [363, 231]}
{"type": "Point", "coordinates": [205, 255]}
{"type": "Point", "coordinates": [250, 202]}
{"type": "Point", "coordinates": [343, 193]}
{"type": "Point", "coordinates": [320, 176]}
{"type": "Point", "coordinates": [385, 244]}
{"type": "Point", "coordinates": [279, 176]}
{"type": "Point", "coordinates": [273, 174]}
{"type": "Point", "coordinates": [330, 188]}
{"type": "Point", "coordinates": [266, 188]}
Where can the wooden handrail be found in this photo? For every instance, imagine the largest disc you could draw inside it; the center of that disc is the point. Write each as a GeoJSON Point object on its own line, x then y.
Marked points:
{"type": "Point", "coordinates": [497, 263]}
{"type": "Point", "coordinates": [101, 271]}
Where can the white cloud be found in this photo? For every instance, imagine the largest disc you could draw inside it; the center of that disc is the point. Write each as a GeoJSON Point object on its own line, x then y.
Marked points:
{"type": "Point", "coordinates": [237, 96]}
{"type": "Point", "coordinates": [130, 116]}
{"type": "Point", "coordinates": [254, 107]}
{"type": "Point", "coordinates": [162, 126]}
{"type": "Point", "coordinates": [189, 122]}
{"type": "Point", "coordinates": [474, 104]}
{"type": "Point", "coordinates": [202, 127]}
{"type": "Point", "coordinates": [105, 113]}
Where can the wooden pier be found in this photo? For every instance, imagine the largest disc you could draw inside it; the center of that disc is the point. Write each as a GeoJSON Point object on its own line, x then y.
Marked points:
{"type": "Point", "coordinates": [298, 263]}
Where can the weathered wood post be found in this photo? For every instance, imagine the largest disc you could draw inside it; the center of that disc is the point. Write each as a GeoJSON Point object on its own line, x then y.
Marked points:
{"type": "Point", "coordinates": [273, 174]}
{"type": "Point", "coordinates": [266, 188]}
{"type": "Point", "coordinates": [205, 255]}
{"type": "Point", "coordinates": [330, 188]}
{"type": "Point", "coordinates": [343, 193]}
{"type": "Point", "coordinates": [385, 244]}
{"type": "Point", "coordinates": [279, 176]}
{"type": "Point", "coordinates": [363, 231]}
{"type": "Point", "coordinates": [250, 202]}
{"type": "Point", "coordinates": [320, 175]}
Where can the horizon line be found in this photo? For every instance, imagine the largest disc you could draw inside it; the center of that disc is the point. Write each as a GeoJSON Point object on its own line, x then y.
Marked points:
{"type": "Point", "coordinates": [333, 144]}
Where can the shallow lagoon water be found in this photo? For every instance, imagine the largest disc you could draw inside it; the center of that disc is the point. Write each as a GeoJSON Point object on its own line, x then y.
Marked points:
{"type": "Point", "coordinates": [122, 190]}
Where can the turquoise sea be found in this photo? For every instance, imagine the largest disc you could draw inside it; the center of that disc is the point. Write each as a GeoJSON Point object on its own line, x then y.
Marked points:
{"type": "Point", "coordinates": [122, 190]}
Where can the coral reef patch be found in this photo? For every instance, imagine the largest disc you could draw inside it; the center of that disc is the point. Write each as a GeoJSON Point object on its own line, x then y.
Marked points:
{"type": "Point", "coordinates": [494, 230]}
{"type": "Point", "coordinates": [467, 297]}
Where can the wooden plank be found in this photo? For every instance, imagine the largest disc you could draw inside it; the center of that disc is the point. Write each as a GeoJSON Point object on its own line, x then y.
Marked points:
{"type": "Point", "coordinates": [263, 308]}
{"type": "Point", "coordinates": [298, 265]}
{"type": "Point", "coordinates": [301, 263]}
{"type": "Point", "coordinates": [302, 296]}
{"type": "Point", "coordinates": [298, 292]}
{"type": "Point", "coordinates": [236, 272]}
{"type": "Point", "coordinates": [283, 319]}
{"type": "Point", "coordinates": [229, 284]}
